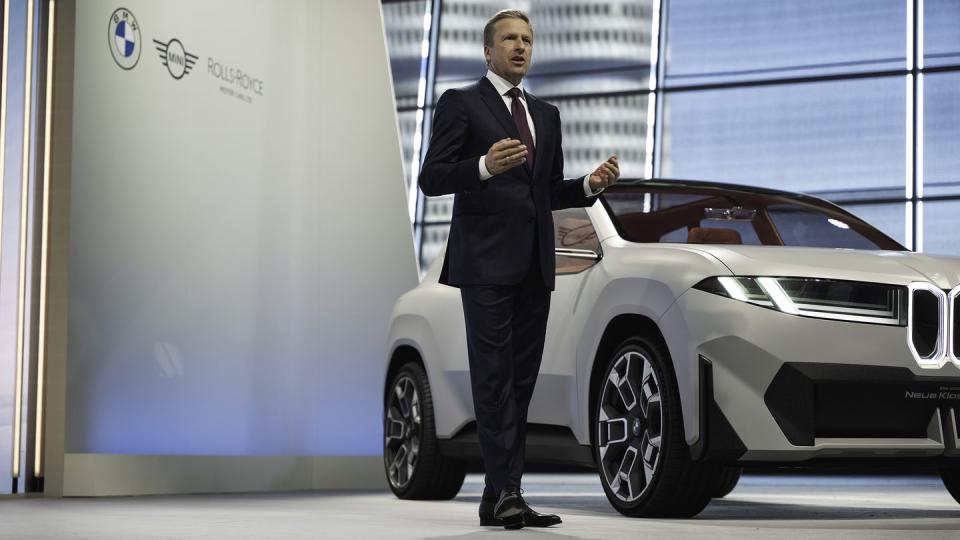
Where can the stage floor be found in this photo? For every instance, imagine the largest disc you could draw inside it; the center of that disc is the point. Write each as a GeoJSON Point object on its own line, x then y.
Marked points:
{"type": "Point", "coordinates": [761, 507]}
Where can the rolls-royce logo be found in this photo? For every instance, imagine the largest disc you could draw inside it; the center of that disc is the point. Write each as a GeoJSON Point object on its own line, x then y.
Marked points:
{"type": "Point", "coordinates": [178, 61]}
{"type": "Point", "coordinates": [123, 36]}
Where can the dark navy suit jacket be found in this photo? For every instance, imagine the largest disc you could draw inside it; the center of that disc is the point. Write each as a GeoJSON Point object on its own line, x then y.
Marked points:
{"type": "Point", "coordinates": [496, 221]}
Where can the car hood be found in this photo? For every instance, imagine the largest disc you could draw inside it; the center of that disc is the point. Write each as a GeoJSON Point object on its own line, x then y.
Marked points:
{"type": "Point", "coordinates": [896, 267]}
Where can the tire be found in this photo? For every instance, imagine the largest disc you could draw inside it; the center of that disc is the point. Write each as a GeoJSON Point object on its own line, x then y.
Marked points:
{"type": "Point", "coordinates": [729, 476]}
{"type": "Point", "coordinates": [951, 480]}
{"type": "Point", "coordinates": [643, 460]}
{"type": "Point", "coordinates": [412, 461]}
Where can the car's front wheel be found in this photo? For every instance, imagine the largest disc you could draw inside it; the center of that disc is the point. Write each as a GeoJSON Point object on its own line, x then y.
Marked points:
{"type": "Point", "coordinates": [729, 477]}
{"type": "Point", "coordinates": [411, 455]}
{"type": "Point", "coordinates": [644, 461]}
{"type": "Point", "coordinates": [951, 480]}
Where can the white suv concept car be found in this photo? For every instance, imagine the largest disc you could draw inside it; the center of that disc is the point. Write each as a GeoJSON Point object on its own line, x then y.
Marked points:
{"type": "Point", "coordinates": [697, 329]}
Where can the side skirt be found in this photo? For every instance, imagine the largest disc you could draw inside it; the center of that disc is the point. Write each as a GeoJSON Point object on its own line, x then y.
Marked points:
{"type": "Point", "coordinates": [546, 445]}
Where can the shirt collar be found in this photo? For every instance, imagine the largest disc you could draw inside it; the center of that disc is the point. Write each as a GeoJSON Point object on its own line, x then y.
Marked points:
{"type": "Point", "coordinates": [502, 85]}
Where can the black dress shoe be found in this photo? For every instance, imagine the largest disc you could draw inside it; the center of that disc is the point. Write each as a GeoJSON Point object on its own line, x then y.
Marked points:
{"type": "Point", "coordinates": [510, 508]}
{"type": "Point", "coordinates": [532, 518]}
{"type": "Point", "coordinates": [486, 513]}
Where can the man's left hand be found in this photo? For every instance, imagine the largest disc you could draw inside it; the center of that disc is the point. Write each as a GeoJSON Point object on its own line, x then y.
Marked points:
{"type": "Point", "coordinates": [606, 174]}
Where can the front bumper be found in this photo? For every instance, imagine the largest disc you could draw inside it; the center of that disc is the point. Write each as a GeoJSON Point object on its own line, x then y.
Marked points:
{"type": "Point", "coordinates": [841, 411]}
{"type": "Point", "coordinates": [763, 386]}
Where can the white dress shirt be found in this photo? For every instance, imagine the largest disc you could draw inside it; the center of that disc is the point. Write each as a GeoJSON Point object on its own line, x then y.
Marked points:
{"type": "Point", "coordinates": [503, 86]}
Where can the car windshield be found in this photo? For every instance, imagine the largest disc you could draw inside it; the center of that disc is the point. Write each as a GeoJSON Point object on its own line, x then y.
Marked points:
{"type": "Point", "coordinates": [659, 212]}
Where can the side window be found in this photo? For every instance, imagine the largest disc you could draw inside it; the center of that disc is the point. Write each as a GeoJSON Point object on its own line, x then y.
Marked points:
{"type": "Point", "coordinates": [572, 230]}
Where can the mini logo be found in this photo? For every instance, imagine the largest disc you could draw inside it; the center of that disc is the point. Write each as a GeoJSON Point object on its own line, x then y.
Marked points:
{"type": "Point", "coordinates": [178, 61]}
{"type": "Point", "coordinates": [123, 35]}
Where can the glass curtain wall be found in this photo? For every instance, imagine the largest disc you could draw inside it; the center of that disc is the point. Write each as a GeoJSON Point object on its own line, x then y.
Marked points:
{"type": "Point", "coordinates": [592, 60]}
{"type": "Point", "coordinates": [938, 77]}
{"type": "Point", "coordinates": [406, 24]}
{"type": "Point", "coordinates": [851, 100]}
{"type": "Point", "coordinates": [856, 101]}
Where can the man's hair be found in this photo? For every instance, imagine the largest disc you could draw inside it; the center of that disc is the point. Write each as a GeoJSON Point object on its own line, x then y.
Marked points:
{"type": "Point", "coordinates": [499, 16]}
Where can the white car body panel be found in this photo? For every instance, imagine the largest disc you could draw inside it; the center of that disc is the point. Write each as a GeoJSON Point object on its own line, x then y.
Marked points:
{"type": "Point", "coordinates": [892, 267]}
{"type": "Point", "coordinates": [746, 344]}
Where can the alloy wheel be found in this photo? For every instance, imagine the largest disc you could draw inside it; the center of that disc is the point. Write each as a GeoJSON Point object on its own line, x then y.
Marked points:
{"type": "Point", "coordinates": [402, 432]}
{"type": "Point", "coordinates": [629, 426]}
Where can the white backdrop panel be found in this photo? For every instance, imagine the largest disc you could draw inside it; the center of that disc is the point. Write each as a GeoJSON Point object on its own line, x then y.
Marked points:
{"type": "Point", "coordinates": [234, 256]}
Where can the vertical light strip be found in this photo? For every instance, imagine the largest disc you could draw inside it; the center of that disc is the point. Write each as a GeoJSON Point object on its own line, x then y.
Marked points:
{"type": "Point", "coordinates": [909, 140]}
{"type": "Point", "coordinates": [919, 247]}
{"type": "Point", "coordinates": [663, 31]}
{"type": "Point", "coordinates": [654, 45]}
{"type": "Point", "coordinates": [651, 119]}
{"type": "Point", "coordinates": [414, 191]}
{"type": "Point", "coordinates": [652, 86]}
{"type": "Point", "coordinates": [24, 180]}
{"type": "Point", "coordinates": [915, 119]}
{"type": "Point", "coordinates": [919, 60]}
{"type": "Point", "coordinates": [3, 102]}
{"type": "Point", "coordinates": [919, 133]}
{"type": "Point", "coordinates": [3, 146]}
{"type": "Point", "coordinates": [424, 55]}
{"type": "Point", "coordinates": [910, 35]}
{"type": "Point", "coordinates": [429, 72]}
{"type": "Point", "coordinates": [44, 246]}
{"type": "Point", "coordinates": [919, 101]}
{"type": "Point", "coordinates": [908, 225]}
{"type": "Point", "coordinates": [415, 167]}
{"type": "Point", "coordinates": [908, 154]}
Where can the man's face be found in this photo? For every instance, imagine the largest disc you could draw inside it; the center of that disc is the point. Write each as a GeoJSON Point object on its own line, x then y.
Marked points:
{"type": "Point", "coordinates": [509, 55]}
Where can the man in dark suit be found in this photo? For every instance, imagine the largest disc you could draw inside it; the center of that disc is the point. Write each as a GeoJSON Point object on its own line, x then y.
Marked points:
{"type": "Point", "coordinates": [498, 149]}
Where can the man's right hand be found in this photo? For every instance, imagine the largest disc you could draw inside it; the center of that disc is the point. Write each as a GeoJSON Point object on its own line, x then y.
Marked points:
{"type": "Point", "coordinates": [504, 155]}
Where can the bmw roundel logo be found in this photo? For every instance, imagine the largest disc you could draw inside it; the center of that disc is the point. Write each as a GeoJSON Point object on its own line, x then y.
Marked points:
{"type": "Point", "coordinates": [123, 35]}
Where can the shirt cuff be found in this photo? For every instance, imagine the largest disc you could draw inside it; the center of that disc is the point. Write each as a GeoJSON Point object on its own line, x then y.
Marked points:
{"type": "Point", "coordinates": [484, 173]}
{"type": "Point", "coordinates": [586, 188]}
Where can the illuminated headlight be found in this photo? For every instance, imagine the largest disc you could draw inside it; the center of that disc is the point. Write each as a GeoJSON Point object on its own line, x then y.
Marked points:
{"type": "Point", "coordinates": [852, 301]}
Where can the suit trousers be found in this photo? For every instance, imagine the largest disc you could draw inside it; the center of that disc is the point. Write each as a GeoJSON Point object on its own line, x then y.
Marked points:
{"type": "Point", "coordinates": [506, 327]}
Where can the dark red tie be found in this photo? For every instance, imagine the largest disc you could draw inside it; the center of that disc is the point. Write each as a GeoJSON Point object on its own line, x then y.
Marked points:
{"type": "Point", "coordinates": [520, 119]}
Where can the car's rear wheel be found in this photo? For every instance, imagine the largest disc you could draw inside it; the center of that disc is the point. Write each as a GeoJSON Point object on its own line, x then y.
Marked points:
{"type": "Point", "coordinates": [411, 455]}
{"type": "Point", "coordinates": [729, 476]}
{"type": "Point", "coordinates": [951, 480]}
{"type": "Point", "coordinates": [644, 462]}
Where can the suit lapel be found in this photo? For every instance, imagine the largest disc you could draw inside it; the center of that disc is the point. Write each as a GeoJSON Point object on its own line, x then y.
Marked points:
{"type": "Point", "coordinates": [494, 102]}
